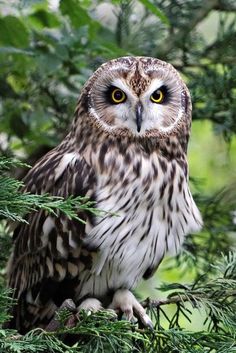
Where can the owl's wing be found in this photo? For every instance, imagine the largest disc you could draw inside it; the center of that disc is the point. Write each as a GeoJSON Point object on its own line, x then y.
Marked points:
{"type": "Point", "coordinates": [46, 250]}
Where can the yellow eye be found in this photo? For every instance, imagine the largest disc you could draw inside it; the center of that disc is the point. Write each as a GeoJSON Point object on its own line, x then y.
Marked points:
{"type": "Point", "coordinates": [157, 96]}
{"type": "Point", "coordinates": [118, 96]}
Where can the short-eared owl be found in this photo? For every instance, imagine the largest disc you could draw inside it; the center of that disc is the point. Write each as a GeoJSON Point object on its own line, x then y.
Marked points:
{"type": "Point", "coordinates": [126, 150]}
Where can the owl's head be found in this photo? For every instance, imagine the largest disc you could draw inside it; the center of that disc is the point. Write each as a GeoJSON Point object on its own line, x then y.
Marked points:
{"type": "Point", "coordinates": [138, 96]}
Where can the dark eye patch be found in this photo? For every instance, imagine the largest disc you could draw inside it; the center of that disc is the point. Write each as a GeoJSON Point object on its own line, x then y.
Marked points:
{"type": "Point", "coordinates": [166, 93]}
{"type": "Point", "coordinates": [109, 95]}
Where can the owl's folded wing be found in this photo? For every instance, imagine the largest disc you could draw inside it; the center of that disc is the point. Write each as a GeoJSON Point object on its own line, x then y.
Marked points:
{"type": "Point", "coordinates": [48, 246]}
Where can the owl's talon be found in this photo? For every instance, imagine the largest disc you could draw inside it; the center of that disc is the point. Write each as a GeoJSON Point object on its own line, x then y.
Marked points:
{"type": "Point", "coordinates": [125, 301]}
{"type": "Point", "coordinates": [146, 321]}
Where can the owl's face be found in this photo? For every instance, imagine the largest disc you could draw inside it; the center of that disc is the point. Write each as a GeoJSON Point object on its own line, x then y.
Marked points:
{"type": "Point", "coordinates": [138, 96]}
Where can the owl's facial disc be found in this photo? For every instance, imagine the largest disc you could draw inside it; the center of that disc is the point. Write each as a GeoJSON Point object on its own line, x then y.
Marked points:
{"type": "Point", "coordinates": [138, 100]}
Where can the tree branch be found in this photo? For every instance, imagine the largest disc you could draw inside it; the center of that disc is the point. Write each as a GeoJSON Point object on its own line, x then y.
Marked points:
{"type": "Point", "coordinates": [199, 16]}
{"type": "Point", "coordinates": [156, 303]}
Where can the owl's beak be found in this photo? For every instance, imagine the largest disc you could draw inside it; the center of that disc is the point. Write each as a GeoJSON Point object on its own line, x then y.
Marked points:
{"type": "Point", "coordinates": [139, 112]}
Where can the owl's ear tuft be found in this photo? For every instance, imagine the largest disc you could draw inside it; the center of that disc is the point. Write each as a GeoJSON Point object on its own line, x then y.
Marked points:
{"type": "Point", "coordinates": [184, 100]}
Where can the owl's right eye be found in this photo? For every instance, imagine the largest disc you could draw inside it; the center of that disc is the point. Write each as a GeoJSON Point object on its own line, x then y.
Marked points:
{"type": "Point", "coordinates": [117, 96]}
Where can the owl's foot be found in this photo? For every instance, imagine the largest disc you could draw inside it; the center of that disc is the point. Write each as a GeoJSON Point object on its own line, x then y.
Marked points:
{"type": "Point", "coordinates": [126, 302]}
{"type": "Point", "coordinates": [90, 305]}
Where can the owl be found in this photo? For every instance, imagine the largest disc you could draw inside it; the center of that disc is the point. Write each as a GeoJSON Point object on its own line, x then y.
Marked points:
{"type": "Point", "coordinates": [126, 151]}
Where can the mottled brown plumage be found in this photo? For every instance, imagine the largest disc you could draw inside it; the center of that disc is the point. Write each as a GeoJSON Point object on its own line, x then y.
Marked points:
{"type": "Point", "coordinates": [130, 157]}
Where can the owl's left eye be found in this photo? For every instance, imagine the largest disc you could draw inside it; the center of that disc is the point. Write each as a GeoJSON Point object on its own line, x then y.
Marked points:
{"type": "Point", "coordinates": [158, 96]}
{"type": "Point", "coordinates": [118, 96]}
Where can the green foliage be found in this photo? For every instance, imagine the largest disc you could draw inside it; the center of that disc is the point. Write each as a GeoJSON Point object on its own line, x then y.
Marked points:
{"type": "Point", "coordinates": [78, 16]}
{"type": "Point", "coordinates": [5, 303]}
{"type": "Point", "coordinates": [155, 10]}
{"type": "Point", "coordinates": [46, 56]}
{"type": "Point", "coordinates": [13, 32]}
{"type": "Point", "coordinates": [215, 294]}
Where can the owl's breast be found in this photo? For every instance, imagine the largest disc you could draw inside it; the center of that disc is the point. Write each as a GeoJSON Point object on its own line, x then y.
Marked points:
{"type": "Point", "coordinates": [150, 210]}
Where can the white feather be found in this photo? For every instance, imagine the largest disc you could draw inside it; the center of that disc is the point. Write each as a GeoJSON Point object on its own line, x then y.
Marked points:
{"type": "Point", "coordinates": [123, 258]}
{"type": "Point", "coordinates": [67, 159]}
{"type": "Point", "coordinates": [47, 227]}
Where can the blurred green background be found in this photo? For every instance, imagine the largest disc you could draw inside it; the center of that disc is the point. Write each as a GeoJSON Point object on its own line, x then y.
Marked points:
{"type": "Point", "coordinates": [48, 49]}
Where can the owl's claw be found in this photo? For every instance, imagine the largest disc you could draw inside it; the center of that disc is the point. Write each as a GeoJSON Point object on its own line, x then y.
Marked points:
{"type": "Point", "coordinates": [125, 301]}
